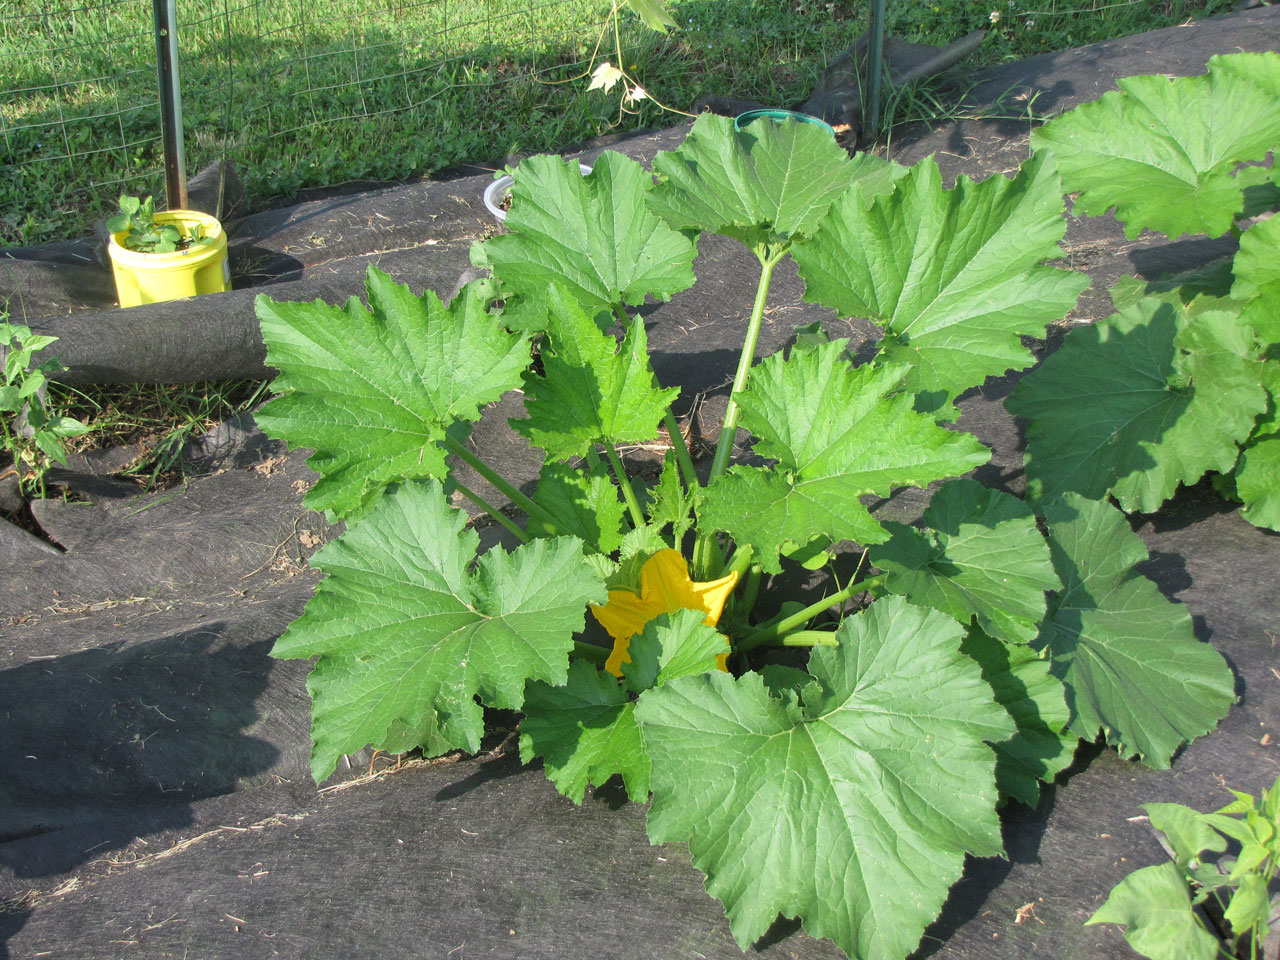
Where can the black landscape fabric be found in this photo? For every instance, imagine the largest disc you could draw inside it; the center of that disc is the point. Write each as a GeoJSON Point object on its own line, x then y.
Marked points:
{"type": "Point", "coordinates": [156, 800]}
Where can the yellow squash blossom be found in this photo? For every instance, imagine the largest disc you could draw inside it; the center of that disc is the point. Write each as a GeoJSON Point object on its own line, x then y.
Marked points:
{"type": "Point", "coordinates": [665, 587]}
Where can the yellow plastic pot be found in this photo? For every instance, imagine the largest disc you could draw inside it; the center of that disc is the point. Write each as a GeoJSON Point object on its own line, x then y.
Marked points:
{"type": "Point", "coordinates": [152, 277]}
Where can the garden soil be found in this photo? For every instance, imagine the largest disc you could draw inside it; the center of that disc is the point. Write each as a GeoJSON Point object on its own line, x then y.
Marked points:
{"type": "Point", "coordinates": [156, 801]}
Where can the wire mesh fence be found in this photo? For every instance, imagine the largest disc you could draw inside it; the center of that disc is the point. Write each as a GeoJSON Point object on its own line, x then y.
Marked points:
{"type": "Point", "coordinates": [312, 93]}
{"type": "Point", "coordinates": [297, 92]}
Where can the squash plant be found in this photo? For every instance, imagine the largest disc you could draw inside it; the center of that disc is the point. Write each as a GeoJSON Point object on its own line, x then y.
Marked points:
{"type": "Point", "coordinates": [957, 668]}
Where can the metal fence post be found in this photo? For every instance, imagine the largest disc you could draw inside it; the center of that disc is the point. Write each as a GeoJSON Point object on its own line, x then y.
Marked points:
{"type": "Point", "coordinates": [175, 162]}
{"type": "Point", "coordinates": [875, 67]}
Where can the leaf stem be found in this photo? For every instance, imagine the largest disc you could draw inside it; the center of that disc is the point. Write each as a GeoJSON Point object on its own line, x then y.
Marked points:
{"type": "Point", "coordinates": [740, 560]}
{"type": "Point", "coordinates": [729, 427]}
{"type": "Point", "coordinates": [492, 511]}
{"type": "Point", "coordinates": [706, 549]}
{"type": "Point", "coordinates": [751, 590]}
{"type": "Point", "coordinates": [682, 452]}
{"type": "Point", "coordinates": [809, 638]}
{"type": "Point", "coordinates": [591, 653]}
{"type": "Point", "coordinates": [628, 491]}
{"type": "Point", "coordinates": [515, 496]}
{"type": "Point", "coordinates": [773, 633]}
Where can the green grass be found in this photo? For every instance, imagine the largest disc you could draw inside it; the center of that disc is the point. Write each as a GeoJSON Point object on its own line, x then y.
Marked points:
{"type": "Point", "coordinates": [301, 94]}
{"type": "Point", "coordinates": [159, 419]}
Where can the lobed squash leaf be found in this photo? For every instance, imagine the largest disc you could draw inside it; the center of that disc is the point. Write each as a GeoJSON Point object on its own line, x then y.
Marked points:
{"type": "Point", "coordinates": [851, 805]}
{"type": "Point", "coordinates": [1133, 667]}
{"type": "Point", "coordinates": [1163, 153]}
{"type": "Point", "coordinates": [408, 637]}
{"type": "Point", "coordinates": [953, 276]}
{"type": "Point", "coordinates": [373, 391]}
{"type": "Point", "coordinates": [836, 435]}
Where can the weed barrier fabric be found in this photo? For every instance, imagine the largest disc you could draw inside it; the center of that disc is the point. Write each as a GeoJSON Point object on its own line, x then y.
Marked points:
{"type": "Point", "coordinates": [156, 799]}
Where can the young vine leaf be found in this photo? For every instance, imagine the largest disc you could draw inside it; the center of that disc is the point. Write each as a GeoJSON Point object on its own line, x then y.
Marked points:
{"type": "Point", "coordinates": [372, 391]}
{"type": "Point", "coordinates": [653, 13]}
{"type": "Point", "coordinates": [852, 806]}
{"type": "Point", "coordinates": [1129, 657]}
{"type": "Point", "coordinates": [592, 235]}
{"type": "Point", "coordinates": [407, 636]}
{"type": "Point", "coordinates": [952, 275]}
{"type": "Point", "coordinates": [1163, 153]}
{"type": "Point", "coordinates": [836, 437]}
{"type": "Point", "coordinates": [1148, 399]}
{"type": "Point", "coordinates": [594, 390]}
{"type": "Point", "coordinates": [1154, 905]}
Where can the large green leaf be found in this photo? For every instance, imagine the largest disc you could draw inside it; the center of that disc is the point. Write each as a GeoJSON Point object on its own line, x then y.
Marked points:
{"type": "Point", "coordinates": [1136, 405]}
{"type": "Point", "coordinates": [408, 637]}
{"type": "Point", "coordinates": [769, 183]}
{"type": "Point", "coordinates": [373, 391]}
{"type": "Point", "coordinates": [852, 808]}
{"type": "Point", "coordinates": [1257, 277]}
{"type": "Point", "coordinates": [593, 235]}
{"type": "Point", "coordinates": [586, 731]}
{"type": "Point", "coordinates": [1129, 657]}
{"type": "Point", "coordinates": [836, 437]}
{"type": "Point", "coordinates": [979, 556]}
{"type": "Point", "coordinates": [1036, 700]}
{"type": "Point", "coordinates": [593, 389]}
{"type": "Point", "coordinates": [1164, 153]}
{"type": "Point", "coordinates": [1154, 906]}
{"type": "Point", "coordinates": [952, 275]}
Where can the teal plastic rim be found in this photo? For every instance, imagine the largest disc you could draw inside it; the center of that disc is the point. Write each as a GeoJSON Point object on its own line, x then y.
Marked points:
{"type": "Point", "coordinates": [742, 119]}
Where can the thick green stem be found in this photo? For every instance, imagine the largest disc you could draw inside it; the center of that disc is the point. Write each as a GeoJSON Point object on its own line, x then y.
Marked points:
{"type": "Point", "coordinates": [776, 631]}
{"type": "Point", "coordinates": [706, 550]}
{"type": "Point", "coordinates": [729, 428]}
{"type": "Point", "coordinates": [740, 560]}
{"type": "Point", "coordinates": [750, 590]}
{"type": "Point", "coordinates": [682, 452]}
{"type": "Point", "coordinates": [514, 495]}
{"type": "Point", "coordinates": [628, 491]}
{"type": "Point", "coordinates": [492, 511]}
{"type": "Point", "coordinates": [590, 652]}
{"type": "Point", "coordinates": [809, 638]}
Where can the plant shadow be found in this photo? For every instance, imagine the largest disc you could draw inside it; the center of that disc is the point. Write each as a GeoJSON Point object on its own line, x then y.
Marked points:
{"type": "Point", "coordinates": [115, 743]}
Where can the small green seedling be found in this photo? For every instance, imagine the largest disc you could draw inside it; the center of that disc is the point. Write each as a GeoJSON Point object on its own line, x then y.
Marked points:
{"type": "Point", "coordinates": [34, 438]}
{"type": "Point", "coordinates": [1156, 905]}
{"type": "Point", "coordinates": [147, 236]}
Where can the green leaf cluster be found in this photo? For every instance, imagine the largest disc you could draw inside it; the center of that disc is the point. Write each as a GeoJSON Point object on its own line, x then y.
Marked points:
{"type": "Point", "coordinates": [1157, 904]}
{"type": "Point", "coordinates": [136, 219]}
{"type": "Point", "coordinates": [960, 663]}
{"type": "Point", "coordinates": [1182, 381]}
{"type": "Point", "coordinates": [33, 437]}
